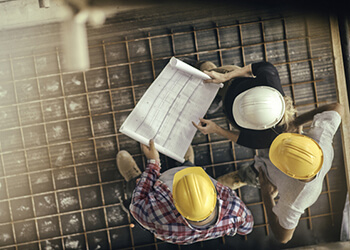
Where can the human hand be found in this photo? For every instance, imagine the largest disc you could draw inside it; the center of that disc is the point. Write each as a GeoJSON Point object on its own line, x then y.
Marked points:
{"type": "Point", "coordinates": [216, 77]}
{"type": "Point", "coordinates": [267, 188]}
{"type": "Point", "coordinates": [206, 126]}
{"type": "Point", "coordinates": [150, 151]}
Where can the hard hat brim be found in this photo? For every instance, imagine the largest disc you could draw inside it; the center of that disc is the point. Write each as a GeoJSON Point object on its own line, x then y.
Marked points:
{"type": "Point", "coordinates": [239, 117]}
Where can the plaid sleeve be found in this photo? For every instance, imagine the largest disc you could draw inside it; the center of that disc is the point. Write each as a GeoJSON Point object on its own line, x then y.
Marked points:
{"type": "Point", "coordinates": [141, 203]}
{"type": "Point", "coordinates": [238, 216]}
{"type": "Point", "coordinates": [246, 221]}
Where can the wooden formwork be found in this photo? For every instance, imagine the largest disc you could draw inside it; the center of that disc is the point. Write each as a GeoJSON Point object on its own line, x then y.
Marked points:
{"type": "Point", "coordinates": [342, 94]}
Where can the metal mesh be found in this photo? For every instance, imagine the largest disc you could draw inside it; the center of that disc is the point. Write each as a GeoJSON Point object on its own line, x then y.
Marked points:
{"type": "Point", "coordinates": [59, 133]}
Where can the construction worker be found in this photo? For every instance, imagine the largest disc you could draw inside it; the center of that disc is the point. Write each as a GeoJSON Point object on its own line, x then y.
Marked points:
{"type": "Point", "coordinates": [254, 102]}
{"type": "Point", "coordinates": [294, 168]}
{"type": "Point", "coordinates": [183, 205]}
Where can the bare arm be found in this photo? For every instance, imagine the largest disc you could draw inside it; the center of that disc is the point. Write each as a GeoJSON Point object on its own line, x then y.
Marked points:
{"type": "Point", "coordinates": [269, 192]}
{"type": "Point", "coordinates": [308, 116]}
{"type": "Point", "coordinates": [246, 71]}
{"type": "Point", "coordinates": [209, 127]}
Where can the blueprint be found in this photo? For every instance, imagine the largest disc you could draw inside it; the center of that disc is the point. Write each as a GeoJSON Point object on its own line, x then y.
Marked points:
{"type": "Point", "coordinates": [165, 112]}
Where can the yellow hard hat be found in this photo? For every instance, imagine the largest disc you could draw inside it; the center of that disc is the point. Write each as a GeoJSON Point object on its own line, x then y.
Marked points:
{"type": "Point", "coordinates": [296, 155]}
{"type": "Point", "coordinates": [194, 193]}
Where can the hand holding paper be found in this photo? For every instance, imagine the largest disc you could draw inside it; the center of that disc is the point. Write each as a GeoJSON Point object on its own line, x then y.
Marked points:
{"type": "Point", "coordinates": [150, 151]}
{"type": "Point", "coordinates": [216, 77]}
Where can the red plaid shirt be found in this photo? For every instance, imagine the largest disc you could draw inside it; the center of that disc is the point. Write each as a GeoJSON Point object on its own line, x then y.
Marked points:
{"type": "Point", "coordinates": [153, 207]}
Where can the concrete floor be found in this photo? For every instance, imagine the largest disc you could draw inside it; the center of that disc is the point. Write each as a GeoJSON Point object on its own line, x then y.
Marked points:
{"type": "Point", "coordinates": [59, 130]}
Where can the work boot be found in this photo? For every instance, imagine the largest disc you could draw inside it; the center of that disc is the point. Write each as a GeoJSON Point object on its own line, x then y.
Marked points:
{"type": "Point", "coordinates": [189, 61]}
{"type": "Point", "coordinates": [249, 174]}
{"type": "Point", "coordinates": [231, 180]}
{"type": "Point", "coordinates": [245, 175]}
{"type": "Point", "coordinates": [189, 156]}
{"type": "Point", "coordinates": [205, 65]}
{"type": "Point", "coordinates": [127, 166]}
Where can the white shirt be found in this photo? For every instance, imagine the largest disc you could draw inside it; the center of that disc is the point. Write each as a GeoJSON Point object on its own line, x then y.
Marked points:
{"type": "Point", "coordinates": [295, 195]}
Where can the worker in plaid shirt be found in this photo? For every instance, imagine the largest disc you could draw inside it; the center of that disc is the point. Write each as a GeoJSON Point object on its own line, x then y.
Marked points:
{"type": "Point", "coordinates": [183, 205]}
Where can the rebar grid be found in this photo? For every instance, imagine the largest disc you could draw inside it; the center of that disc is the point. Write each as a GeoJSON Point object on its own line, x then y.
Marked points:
{"type": "Point", "coordinates": [94, 150]}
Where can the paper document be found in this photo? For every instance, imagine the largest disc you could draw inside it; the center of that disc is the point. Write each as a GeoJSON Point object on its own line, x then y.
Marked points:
{"type": "Point", "coordinates": [165, 112]}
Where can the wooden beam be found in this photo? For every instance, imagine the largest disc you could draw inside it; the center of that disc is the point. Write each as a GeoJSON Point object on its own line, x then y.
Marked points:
{"type": "Point", "coordinates": [340, 82]}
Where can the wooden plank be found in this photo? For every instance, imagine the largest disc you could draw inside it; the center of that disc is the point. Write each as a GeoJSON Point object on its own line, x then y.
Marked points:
{"type": "Point", "coordinates": [340, 81]}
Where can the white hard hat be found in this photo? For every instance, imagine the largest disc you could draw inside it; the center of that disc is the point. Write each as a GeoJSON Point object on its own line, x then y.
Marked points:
{"type": "Point", "coordinates": [258, 108]}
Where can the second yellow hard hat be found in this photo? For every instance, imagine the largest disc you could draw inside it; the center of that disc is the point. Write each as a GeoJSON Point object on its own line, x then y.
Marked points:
{"type": "Point", "coordinates": [296, 155]}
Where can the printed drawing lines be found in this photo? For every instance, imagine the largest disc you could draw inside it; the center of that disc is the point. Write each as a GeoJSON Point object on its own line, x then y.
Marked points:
{"type": "Point", "coordinates": [165, 111]}
{"type": "Point", "coordinates": [171, 95]}
{"type": "Point", "coordinates": [170, 108]}
{"type": "Point", "coordinates": [182, 110]}
{"type": "Point", "coordinates": [154, 100]}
